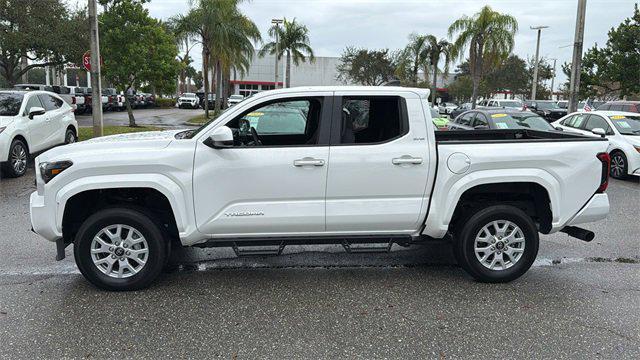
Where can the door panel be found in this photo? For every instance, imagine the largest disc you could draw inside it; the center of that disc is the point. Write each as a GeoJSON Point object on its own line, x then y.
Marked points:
{"type": "Point", "coordinates": [256, 190]}
{"type": "Point", "coordinates": [378, 187]}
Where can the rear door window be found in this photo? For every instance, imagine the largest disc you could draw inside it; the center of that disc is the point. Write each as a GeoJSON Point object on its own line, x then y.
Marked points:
{"type": "Point", "coordinates": [50, 103]}
{"type": "Point", "coordinates": [480, 120]}
{"type": "Point", "coordinates": [577, 121]}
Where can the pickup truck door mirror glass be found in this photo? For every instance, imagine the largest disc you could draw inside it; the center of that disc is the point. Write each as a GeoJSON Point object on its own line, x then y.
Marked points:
{"type": "Point", "coordinates": [36, 111]}
{"type": "Point", "coordinates": [220, 138]}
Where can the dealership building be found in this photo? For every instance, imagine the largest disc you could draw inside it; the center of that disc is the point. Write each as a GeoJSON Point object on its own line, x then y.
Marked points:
{"type": "Point", "coordinates": [261, 74]}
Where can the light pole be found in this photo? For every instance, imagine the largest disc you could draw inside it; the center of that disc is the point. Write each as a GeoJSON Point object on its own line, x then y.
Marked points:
{"type": "Point", "coordinates": [96, 96]}
{"type": "Point", "coordinates": [277, 23]}
{"type": "Point", "coordinates": [574, 84]}
{"type": "Point", "coordinates": [553, 79]}
{"type": "Point", "coordinates": [534, 88]}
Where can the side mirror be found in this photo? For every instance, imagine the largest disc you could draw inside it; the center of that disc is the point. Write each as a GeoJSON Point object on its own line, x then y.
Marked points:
{"type": "Point", "coordinates": [599, 131]}
{"type": "Point", "coordinates": [220, 138]}
{"type": "Point", "coordinates": [35, 111]}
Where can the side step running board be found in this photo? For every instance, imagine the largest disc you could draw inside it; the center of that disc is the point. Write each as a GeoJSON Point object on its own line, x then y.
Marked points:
{"type": "Point", "coordinates": [257, 249]}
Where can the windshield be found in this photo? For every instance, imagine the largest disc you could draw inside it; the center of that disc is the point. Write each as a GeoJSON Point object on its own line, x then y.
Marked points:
{"type": "Point", "coordinates": [547, 105]}
{"type": "Point", "coordinates": [521, 121]}
{"type": "Point", "coordinates": [236, 97]}
{"type": "Point", "coordinates": [10, 104]}
{"type": "Point", "coordinates": [189, 95]}
{"type": "Point", "coordinates": [563, 104]}
{"type": "Point", "coordinates": [626, 124]}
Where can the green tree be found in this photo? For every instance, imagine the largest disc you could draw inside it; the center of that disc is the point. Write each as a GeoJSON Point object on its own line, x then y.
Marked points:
{"type": "Point", "coordinates": [293, 39]}
{"type": "Point", "coordinates": [365, 67]}
{"type": "Point", "coordinates": [136, 49]}
{"type": "Point", "coordinates": [227, 37]}
{"type": "Point", "coordinates": [436, 50]}
{"type": "Point", "coordinates": [489, 36]}
{"type": "Point", "coordinates": [623, 54]}
{"type": "Point", "coordinates": [416, 56]}
{"type": "Point", "coordinates": [45, 32]}
{"type": "Point", "coordinates": [461, 88]}
{"type": "Point", "coordinates": [511, 75]}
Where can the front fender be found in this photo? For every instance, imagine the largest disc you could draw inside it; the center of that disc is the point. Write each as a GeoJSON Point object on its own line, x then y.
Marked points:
{"type": "Point", "coordinates": [444, 204]}
{"type": "Point", "coordinates": [172, 191]}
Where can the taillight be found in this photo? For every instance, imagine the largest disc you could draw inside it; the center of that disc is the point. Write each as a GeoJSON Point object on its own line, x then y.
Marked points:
{"type": "Point", "coordinates": [605, 159]}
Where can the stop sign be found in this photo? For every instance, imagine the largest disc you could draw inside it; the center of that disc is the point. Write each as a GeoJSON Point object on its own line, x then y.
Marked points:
{"type": "Point", "coordinates": [86, 60]}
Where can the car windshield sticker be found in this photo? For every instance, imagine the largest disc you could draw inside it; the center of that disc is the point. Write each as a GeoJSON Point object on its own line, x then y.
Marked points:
{"type": "Point", "coordinates": [502, 125]}
{"type": "Point", "coordinates": [624, 124]}
{"type": "Point", "coordinates": [616, 117]}
{"type": "Point", "coordinates": [498, 115]}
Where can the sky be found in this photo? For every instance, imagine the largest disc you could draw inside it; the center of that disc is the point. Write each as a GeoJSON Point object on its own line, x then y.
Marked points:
{"type": "Point", "coordinates": [380, 24]}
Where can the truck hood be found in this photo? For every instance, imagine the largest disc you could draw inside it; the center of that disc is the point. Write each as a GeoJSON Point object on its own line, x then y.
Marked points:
{"type": "Point", "coordinates": [106, 145]}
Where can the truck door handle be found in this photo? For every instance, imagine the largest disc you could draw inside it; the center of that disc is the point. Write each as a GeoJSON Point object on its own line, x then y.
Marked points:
{"type": "Point", "coordinates": [406, 159]}
{"type": "Point", "coordinates": [308, 161]}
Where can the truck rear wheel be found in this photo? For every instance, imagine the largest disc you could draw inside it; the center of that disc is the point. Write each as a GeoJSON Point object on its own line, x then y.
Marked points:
{"type": "Point", "coordinates": [497, 244]}
{"type": "Point", "coordinates": [120, 249]}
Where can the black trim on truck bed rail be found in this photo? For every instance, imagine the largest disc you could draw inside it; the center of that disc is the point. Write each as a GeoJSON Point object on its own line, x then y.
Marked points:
{"type": "Point", "coordinates": [507, 136]}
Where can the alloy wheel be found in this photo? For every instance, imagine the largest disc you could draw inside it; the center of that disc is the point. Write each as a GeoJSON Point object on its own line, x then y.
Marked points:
{"type": "Point", "coordinates": [119, 251]}
{"type": "Point", "coordinates": [617, 166]}
{"type": "Point", "coordinates": [499, 245]}
{"type": "Point", "coordinates": [19, 158]}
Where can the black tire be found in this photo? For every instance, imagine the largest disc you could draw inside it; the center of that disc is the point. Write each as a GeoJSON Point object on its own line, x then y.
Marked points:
{"type": "Point", "coordinates": [16, 164]}
{"type": "Point", "coordinates": [70, 136]}
{"type": "Point", "coordinates": [464, 244]}
{"type": "Point", "coordinates": [619, 165]}
{"type": "Point", "coordinates": [156, 259]}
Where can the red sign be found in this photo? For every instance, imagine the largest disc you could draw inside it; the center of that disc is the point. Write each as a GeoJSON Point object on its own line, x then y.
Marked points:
{"type": "Point", "coordinates": [86, 60]}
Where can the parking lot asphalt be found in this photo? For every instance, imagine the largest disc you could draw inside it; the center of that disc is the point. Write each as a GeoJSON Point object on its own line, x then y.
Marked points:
{"type": "Point", "coordinates": [165, 117]}
{"type": "Point", "coordinates": [579, 300]}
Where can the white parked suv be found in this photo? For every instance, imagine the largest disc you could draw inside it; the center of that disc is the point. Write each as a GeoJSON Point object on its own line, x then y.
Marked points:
{"type": "Point", "coordinates": [622, 129]}
{"type": "Point", "coordinates": [190, 100]}
{"type": "Point", "coordinates": [30, 122]}
{"type": "Point", "coordinates": [356, 166]}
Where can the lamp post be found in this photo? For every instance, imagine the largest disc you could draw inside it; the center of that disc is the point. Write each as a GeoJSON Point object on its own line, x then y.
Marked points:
{"type": "Point", "coordinates": [553, 79]}
{"type": "Point", "coordinates": [277, 23]}
{"type": "Point", "coordinates": [534, 88]}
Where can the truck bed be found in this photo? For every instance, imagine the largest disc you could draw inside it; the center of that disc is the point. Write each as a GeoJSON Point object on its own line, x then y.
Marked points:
{"type": "Point", "coordinates": [515, 135]}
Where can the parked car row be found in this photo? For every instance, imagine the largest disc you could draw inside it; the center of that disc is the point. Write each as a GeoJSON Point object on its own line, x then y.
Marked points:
{"type": "Point", "coordinates": [196, 100]}
{"type": "Point", "coordinates": [80, 98]}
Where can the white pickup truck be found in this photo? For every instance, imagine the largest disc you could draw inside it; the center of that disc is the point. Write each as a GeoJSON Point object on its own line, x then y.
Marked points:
{"type": "Point", "coordinates": [357, 166]}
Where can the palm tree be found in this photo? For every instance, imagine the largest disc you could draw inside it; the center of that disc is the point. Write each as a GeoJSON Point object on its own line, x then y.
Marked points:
{"type": "Point", "coordinates": [181, 31]}
{"type": "Point", "coordinates": [490, 38]}
{"type": "Point", "coordinates": [435, 50]}
{"type": "Point", "coordinates": [226, 36]}
{"type": "Point", "coordinates": [293, 38]}
{"type": "Point", "coordinates": [416, 54]}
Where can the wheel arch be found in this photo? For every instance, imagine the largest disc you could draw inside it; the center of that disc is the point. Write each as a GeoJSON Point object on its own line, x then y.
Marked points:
{"type": "Point", "coordinates": [438, 222]}
{"type": "Point", "coordinates": [159, 194]}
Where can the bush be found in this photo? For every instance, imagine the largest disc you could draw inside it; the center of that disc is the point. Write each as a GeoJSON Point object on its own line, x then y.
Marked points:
{"type": "Point", "coordinates": [165, 103]}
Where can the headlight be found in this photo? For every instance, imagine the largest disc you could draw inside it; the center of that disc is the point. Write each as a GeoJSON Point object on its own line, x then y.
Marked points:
{"type": "Point", "coordinates": [49, 170]}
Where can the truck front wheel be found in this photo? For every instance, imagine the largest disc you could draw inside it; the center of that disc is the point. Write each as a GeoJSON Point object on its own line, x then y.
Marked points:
{"type": "Point", "coordinates": [120, 249]}
{"type": "Point", "coordinates": [497, 244]}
